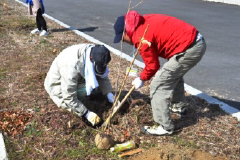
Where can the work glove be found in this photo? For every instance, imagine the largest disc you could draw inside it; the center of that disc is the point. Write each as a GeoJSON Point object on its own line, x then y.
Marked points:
{"type": "Point", "coordinates": [92, 117]}
{"type": "Point", "coordinates": [137, 82]}
{"type": "Point", "coordinates": [111, 98]}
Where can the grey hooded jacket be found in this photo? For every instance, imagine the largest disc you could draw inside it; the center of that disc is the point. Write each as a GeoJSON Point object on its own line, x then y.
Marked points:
{"type": "Point", "coordinates": [64, 75]}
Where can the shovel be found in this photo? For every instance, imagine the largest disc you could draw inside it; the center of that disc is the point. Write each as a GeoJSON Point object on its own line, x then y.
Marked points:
{"type": "Point", "coordinates": [116, 108]}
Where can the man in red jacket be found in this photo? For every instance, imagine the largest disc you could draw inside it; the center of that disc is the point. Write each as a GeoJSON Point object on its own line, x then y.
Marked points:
{"type": "Point", "coordinates": [169, 38]}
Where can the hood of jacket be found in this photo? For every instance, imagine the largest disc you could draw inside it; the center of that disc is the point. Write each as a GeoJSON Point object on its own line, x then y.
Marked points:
{"type": "Point", "coordinates": [132, 21]}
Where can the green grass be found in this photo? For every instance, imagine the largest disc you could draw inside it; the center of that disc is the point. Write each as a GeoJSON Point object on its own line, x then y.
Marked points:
{"type": "Point", "coordinates": [74, 153]}
{"type": "Point", "coordinates": [2, 33]}
{"type": "Point", "coordinates": [3, 73]}
{"type": "Point", "coordinates": [2, 89]}
{"type": "Point", "coordinates": [32, 87]}
{"type": "Point", "coordinates": [24, 152]}
{"type": "Point", "coordinates": [32, 129]}
{"type": "Point", "coordinates": [179, 141]}
{"type": "Point", "coordinates": [27, 23]}
{"type": "Point", "coordinates": [44, 42]}
{"type": "Point", "coordinates": [17, 23]}
{"type": "Point", "coordinates": [8, 144]}
{"type": "Point", "coordinates": [13, 103]}
{"type": "Point", "coordinates": [31, 82]}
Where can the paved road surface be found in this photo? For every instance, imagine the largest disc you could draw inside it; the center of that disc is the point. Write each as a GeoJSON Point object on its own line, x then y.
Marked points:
{"type": "Point", "coordinates": [218, 73]}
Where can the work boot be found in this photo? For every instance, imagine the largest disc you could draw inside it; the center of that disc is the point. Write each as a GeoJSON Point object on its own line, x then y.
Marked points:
{"type": "Point", "coordinates": [35, 31]}
{"type": "Point", "coordinates": [44, 33]}
{"type": "Point", "coordinates": [156, 130]}
{"type": "Point", "coordinates": [179, 108]}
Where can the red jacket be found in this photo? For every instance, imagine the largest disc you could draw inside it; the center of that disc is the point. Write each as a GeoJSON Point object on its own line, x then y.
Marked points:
{"type": "Point", "coordinates": [167, 35]}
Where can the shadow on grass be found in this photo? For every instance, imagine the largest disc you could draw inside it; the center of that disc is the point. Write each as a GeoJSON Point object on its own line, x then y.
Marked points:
{"type": "Point", "coordinates": [197, 109]}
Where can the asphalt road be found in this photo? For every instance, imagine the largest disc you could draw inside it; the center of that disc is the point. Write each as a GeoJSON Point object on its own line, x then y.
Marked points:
{"type": "Point", "coordinates": [217, 74]}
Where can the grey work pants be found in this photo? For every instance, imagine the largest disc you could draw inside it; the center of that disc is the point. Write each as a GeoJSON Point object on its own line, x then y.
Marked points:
{"type": "Point", "coordinates": [168, 81]}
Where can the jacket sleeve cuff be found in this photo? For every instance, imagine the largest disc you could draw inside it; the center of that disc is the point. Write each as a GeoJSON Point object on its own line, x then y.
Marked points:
{"type": "Point", "coordinates": [85, 114]}
{"type": "Point", "coordinates": [142, 78]}
{"type": "Point", "coordinates": [81, 110]}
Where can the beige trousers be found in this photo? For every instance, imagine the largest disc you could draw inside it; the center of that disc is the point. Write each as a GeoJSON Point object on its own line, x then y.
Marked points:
{"type": "Point", "coordinates": [168, 81]}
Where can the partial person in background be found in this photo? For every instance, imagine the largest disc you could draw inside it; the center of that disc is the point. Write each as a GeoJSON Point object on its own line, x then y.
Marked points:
{"type": "Point", "coordinates": [170, 38]}
{"type": "Point", "coordinates": [36, 8]}
{"type": "Point", "coordinates": [78, 71]}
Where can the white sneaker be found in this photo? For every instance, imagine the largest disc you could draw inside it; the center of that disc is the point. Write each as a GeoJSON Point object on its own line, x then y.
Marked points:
{"type": "Point", "coordinates": [44, 33]}
{"type": "Point", "coordinates": [156, 130]}
{"type": "Point", "coordinates": [35, 31]}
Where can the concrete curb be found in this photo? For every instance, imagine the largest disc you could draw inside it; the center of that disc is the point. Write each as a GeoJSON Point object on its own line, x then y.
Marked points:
{"type": "Point", "coordinates": [235, 2]}
{"type": "Point", "coordinates": [234, 112]}
{"type": "Point", "coordinates": [3, 153]}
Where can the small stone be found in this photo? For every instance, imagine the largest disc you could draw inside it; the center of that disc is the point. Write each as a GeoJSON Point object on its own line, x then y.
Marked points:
{"type": "Point", "coordinates": [212, 153]}
{"type": "Point", "coordinates": [104, 141]}
{"type": "Point", "coordinates": [206, 109]}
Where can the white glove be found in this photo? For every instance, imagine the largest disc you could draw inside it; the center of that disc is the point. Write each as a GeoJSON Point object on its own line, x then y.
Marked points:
{"type": "Point", "coordinates": [110, 97]}
{"type": "Point", "coordinates": [92, 117]}
{"type": "Point", "coordinates": [137, 82]}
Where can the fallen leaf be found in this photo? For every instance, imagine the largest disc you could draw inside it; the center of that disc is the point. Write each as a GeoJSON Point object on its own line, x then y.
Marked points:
{"type": "Point", "coordinates": [54, 50]}
{"type": "Point", "coordinates": [126, 135]}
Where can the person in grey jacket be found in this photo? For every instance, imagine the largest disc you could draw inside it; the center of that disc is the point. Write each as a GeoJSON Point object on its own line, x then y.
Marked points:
{"type": "Point", "coordinates": [74, 66]}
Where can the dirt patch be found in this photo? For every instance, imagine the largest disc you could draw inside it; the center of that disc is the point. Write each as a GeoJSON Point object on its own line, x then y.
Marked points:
{"type": "Point", "coordinates": [174, 152]}
{"type": "Point", "coordinates": [54, 133]}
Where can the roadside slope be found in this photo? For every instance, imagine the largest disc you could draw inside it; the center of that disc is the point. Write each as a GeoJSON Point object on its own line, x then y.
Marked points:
{"type": "Point", "coordinates": [34, 128]}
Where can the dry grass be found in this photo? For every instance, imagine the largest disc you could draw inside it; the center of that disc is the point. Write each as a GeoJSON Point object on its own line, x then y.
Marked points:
{"type": "Point", "coordinates": [52, 133]}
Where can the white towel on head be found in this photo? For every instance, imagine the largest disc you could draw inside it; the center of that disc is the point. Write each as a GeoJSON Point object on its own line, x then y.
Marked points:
{"type": "Point", "coordinates": [90, 77]}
